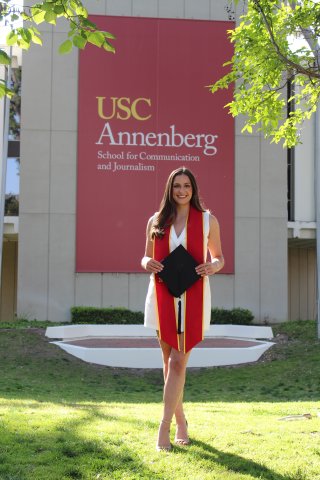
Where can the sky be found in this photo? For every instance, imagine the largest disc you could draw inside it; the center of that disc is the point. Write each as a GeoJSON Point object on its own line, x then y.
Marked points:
{"type": "Point", "coordinates": [12, 181]}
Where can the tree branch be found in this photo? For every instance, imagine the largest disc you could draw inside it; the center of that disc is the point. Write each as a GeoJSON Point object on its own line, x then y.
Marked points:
{"type": "Point", "coordinates": [283, 57]}
{"type": "Point", "coordinates": [308, 35]}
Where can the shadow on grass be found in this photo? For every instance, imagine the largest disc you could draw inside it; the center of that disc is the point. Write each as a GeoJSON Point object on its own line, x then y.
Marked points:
{"type": "Point", "coordinates": [74, 447]}
{"type": "Point", "coordinates": [235, 464]}
{"type": "Point", "coordinates": [65, 451]}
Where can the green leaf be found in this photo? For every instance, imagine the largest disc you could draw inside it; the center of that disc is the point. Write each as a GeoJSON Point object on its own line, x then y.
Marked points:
{"type": "Point", "coordinates": [108, 47]}
{"type": "Point", "coordinates": [39, 16]}
{"type": "Point", "coordinates": [23, 44]}
{"type": "Point", "coordinates": [79, 41]}
{"type": "Point", "coordinates": [50, 17]}
{"type": "Point", "coordinates": [25, 17]}
{"type": "Point", "coordinates": [26, 34]}
{"type": "Point", "coordinates": [35, 30]}
{"type": "Point", "coordinates": [96, 38]}
{"type": "Point", "coordinates": [44, 6]}
{"type": "Point", "coordinates": [87, 23]}
{"type": "Point", "coordinates": [109, 35]}
{"type": "Point", "coordinates": [59, 9]}
{"type": "Point", "coordinates": [4, 90]}
{"type": "Point", "coordinates": [81, 11]}
{"type": "Point", "coordinates": [12, 38]}
{"type": "Point", "coordinates": [73, 30]}
{"type": "Point", "coordinates": [4, 58]}
{"type": "Point", "coordinates": [65, 47]}
{"type": "Point", "coordinates": [37, 40]}
{"type": "Point", "coordinates": [69, 12]}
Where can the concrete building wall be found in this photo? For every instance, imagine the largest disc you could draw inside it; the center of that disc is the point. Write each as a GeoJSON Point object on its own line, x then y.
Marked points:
{"type": "Point", "coordinates": [48, 285]}
{"type": "Point", "coordinates": [304, 175]}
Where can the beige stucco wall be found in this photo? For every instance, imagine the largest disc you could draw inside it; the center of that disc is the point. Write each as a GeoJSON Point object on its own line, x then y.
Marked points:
{"type": "Point", "coordinates": [48, 285]}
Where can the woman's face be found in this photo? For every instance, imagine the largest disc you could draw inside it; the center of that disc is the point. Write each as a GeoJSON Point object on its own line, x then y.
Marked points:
{"type": "Point", "coordinates": [181, 189]}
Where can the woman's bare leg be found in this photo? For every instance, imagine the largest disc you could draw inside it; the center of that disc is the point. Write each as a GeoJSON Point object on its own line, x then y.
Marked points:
{"type": "Point", "coordinates": [179, 413]}
{"type": "Point", "coordinates": [175, 364]}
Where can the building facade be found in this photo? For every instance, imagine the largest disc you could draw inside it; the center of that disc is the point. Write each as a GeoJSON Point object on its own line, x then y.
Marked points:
{"type": "Point", "coordinates": [48, 284]}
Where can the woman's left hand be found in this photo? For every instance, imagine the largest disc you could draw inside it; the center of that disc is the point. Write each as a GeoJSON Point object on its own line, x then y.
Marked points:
{"type": "Point", "coordinates": [207, 268]}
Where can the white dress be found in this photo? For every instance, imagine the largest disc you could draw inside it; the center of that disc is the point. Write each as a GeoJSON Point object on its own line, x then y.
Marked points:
{"type": "Point", "coordinates": [150, 314]}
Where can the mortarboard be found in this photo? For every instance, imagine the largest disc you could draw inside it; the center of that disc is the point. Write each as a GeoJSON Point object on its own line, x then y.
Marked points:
{"type": "Point", "coordinates": [179, 274]}
{"type": "Point", "coordinates": [179, 271]}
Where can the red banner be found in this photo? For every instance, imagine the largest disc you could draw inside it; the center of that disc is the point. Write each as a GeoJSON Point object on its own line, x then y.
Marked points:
{"type": "Point", "coordinates": [144, 112]}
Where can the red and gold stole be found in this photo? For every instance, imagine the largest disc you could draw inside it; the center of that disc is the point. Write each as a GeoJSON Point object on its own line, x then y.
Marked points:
{"type": "Point", "coordinates": [194, 296]}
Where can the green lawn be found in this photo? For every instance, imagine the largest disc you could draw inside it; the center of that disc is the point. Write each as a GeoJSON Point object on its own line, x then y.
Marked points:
{"type": "Point", "coordinates": [61, 418]}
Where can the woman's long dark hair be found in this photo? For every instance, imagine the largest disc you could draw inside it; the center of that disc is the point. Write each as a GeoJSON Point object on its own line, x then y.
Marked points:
{"type": "Point", "coordinates": [168, 209]}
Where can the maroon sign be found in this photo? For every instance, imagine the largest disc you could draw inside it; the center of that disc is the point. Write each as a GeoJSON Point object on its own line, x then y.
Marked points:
{"type": "Point", "coordinates": [144, 112]}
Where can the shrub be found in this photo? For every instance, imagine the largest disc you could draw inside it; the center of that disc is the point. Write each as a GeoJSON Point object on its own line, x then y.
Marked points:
{"type": "Point", "coordinates": [236, 316]}
{"type": "Point", "coordinates": [105, 316]}
{"type": "Point", "coordinates": [116, 316]}
{"type": "Point", "coordinates": [11, 206]}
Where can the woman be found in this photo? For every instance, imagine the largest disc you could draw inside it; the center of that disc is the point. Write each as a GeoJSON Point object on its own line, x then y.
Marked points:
{"type": "Point", "coordinates": [181, 220]}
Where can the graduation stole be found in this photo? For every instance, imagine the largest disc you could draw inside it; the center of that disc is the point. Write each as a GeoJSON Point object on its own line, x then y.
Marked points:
{"type": "Point", "coordinates": [194, 296]}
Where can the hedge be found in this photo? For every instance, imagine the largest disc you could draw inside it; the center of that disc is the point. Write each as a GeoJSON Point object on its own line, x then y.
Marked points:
{"type": "Point", "coordinates": [236, 316]}
{"type": "Point", "coordinates": [105, 316]}
{"type": "Point", "coordinates": [115, 316]}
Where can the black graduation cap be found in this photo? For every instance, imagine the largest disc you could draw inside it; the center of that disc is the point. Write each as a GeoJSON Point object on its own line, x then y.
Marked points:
{"type": "Point", "coordinates": [179, 274]}
{"type": "Point", "coordinates": [179, 271]}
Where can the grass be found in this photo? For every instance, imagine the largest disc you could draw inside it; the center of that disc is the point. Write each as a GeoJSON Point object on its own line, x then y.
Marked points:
{"type": "Point", "coordinates": [61, 418]}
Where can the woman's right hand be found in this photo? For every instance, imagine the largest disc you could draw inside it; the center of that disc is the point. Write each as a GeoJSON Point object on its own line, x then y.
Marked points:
{"type": "Point", "coordinates": [151, 265]}
{"type": "Point", "coordinates": [147, 262]}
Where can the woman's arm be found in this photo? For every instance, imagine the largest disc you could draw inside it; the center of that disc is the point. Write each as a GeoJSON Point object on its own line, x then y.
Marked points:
{"type": "Point", "coordinates": [214, 247]}
{"type": "Point", "coordinates": [147, 262]}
